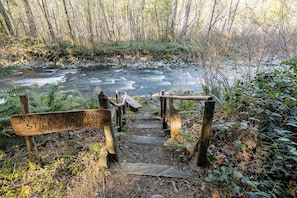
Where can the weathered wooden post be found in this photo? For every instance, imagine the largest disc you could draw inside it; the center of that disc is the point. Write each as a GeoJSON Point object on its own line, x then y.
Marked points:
{"type": "Point", "coordinates": [111, 141]}
{"type": "Point", "coordinates": [205, 132]}
{"type": "Point", "coordinates": [103, 101]}
{"type": "Point", "coordinates": [124, 114]}
{"type": "Point", "coordinates": [175, 121]}
{"type": "Point", "coordinates": [119, 113]}
{"type": "Point", "coordinates": [163, 110]}
{"type": "Point", "coordinates": [34, 158]}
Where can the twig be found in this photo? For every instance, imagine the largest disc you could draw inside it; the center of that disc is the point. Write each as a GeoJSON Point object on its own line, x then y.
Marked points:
{"type": "Point", "coordinates": [174, 186]}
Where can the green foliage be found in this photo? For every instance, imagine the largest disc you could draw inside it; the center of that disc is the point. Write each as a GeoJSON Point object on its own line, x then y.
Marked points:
{"type": "Point", "coordinates": [5, 71]}
{"type": "Point", "coordinates": [227, 176]}
{"type": "Point", "coordinates": [2, 154]}
{"type": "Point", "coordinates": [185, 140]}
{"type": "Point", "coordinates": [188, 105]}
{"type": "Point", "coordinates": [270, 102]}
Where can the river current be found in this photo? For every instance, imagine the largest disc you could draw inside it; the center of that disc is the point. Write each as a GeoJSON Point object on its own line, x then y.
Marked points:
{"type": "Point", "coordinates": [142, 82]}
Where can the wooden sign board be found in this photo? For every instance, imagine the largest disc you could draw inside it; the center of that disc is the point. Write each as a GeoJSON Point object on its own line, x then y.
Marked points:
{"type": "Point", "coordinates": [44, 123]}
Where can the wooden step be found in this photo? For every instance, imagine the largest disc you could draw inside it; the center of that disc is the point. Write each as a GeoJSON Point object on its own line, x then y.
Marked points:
{"type": "Point", "coordinates": [146, 126]}
{"type": "Point", "coordinates": [143, 139]}
{"type": "Point", "coordinates": [155, 170]}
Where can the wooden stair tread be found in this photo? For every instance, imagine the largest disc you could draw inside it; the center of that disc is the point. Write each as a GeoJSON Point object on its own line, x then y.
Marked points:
{"type": "Point", "coordinates": [146, 125]}
{"type": "Point", "coordinates": [155, 170]}
{"type": "Point", "coordinates": [143, 139]}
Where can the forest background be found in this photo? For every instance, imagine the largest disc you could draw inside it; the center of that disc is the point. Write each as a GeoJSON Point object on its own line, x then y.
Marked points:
{"type": "Point", "coordinates": [214, 28]}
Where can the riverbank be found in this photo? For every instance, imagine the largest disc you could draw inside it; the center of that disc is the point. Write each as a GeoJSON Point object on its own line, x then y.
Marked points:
{"type": "Point", "coordinates": [20, 53]}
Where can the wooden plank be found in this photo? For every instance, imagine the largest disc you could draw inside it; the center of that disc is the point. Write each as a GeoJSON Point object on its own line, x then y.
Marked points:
{"type": "Point", "coordinates": [133, 103]}
{"type": "Point", "coordinates": [155, 170]}
{"type": "Point", "coordinates": [143, 139]}
{"type": "Point", "coordinates": [187, 97]}
{"type": "Point", "coordinates": [146, 126]}
{"type": "Point", "coordinates": [44, 123]}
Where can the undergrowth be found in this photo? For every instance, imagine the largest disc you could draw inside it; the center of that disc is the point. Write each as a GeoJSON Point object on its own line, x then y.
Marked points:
{"type": "Point", "coordinates": [263, 159]}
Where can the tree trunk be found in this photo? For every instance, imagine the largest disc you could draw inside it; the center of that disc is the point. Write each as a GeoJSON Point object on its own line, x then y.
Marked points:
{"type": "Point", "coordinates": [8, 24]}
{"type": "Point", "coordinates": [105, 19]}
{"type": "Point", "coordinates": [185, 25]}
{"type": "Point", "coordinates": [157, 20]}
{"type": "Point", "coordinates": [173, 20]}
{"type": "Point", "coordinates": [68, 21]}
{"type": "Point", "coordinates": [211, 23]}
{"type": "Point", "coordinates": [44, 9]}
{"type": "Point", "coordinates": [30, 17]}
{"type": "Point", "coordinates": [90, 23]}
{"type": "Point", "coordinates": [130, 21]}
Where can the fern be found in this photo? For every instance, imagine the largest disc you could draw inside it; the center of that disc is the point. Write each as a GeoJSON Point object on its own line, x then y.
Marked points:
{"type": "Point", "coordinates": [6, 71]}
{"type": "Point", "coordinates": [4, 122]}
{"type": "Point", "coordinates": [43, 101]}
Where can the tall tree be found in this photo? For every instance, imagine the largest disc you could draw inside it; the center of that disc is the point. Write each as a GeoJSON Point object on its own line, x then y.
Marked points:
{"type": "Point", "coordinates": [30, 17]}
{"type": "Point", "coordinates": [90, 22]}
{"type": "Point", "coordinates": [212, 20]}
{"type": "Point", "coordinates": [106, 19]}
{"type": "Point", "coordinates": [68, 21]}
{"type": "Point", "coordinates": [185, 25]}
{"type": "Point", "coordinates": [6, 19]}
{"type": "Point", "coordinates": [45, 12]}
{"type": "Point", "coordinates": [157, 19]}
{"type": "Point", "coordinates": [173, 19]}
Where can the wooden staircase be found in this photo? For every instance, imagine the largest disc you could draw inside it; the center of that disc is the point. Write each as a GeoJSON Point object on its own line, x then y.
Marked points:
{"type": "Point", "coordinates": [142, 151]}
{"type": "Point", "coordinates": [140, 145]}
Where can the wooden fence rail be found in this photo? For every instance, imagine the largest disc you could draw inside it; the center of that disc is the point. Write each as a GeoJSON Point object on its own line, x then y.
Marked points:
{"type": "Point", "coordinates": [175, 121]}
{"type": "Point", "coordinates": [29, 125]}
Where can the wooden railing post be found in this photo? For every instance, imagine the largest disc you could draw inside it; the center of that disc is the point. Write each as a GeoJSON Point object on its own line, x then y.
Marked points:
{"type": "Point", "coordinates": [34, 158]}
{"type": "Point", "coordinates": [175, 121]}
{"type": "Point", "coordinates": [205, 132]}
{"type": "Point", "coordinates": [103, 101]}
{"type": "Point", "coordinates": [119, 113]}
{"type": "Point", "coordinates": [124, 111]}
{"type": "Point", "coordinates": [111, 141]}
{"type": "Point", "coordinates": [163, 110]}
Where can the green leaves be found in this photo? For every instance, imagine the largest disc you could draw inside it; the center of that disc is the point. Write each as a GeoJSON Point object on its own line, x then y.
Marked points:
{"type": "Point", "coordinates": [227, 176]}
{"type": "Point", "coordinates": [271, 101]}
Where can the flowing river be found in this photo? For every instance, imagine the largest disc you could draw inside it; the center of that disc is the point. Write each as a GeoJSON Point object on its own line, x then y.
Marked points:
{"type": "Point", "coordinates": [142, 82]}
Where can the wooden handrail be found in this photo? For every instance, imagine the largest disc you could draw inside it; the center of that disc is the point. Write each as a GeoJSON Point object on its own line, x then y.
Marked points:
{"type": "Point", "coordinates": [175, 122]}
{"type": "Point", "coordinates": [119, 106]}
{"type": "Point", "coordinates": [122, 103]}
{"type": "Point", "coordinates": [186, 97]}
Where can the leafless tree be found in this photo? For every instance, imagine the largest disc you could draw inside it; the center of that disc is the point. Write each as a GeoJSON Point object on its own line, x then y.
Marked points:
{"type": "Point", "coordinates": [71, 33]}
{"type": "Point", "coordinates": [30, 17]}
{"type": "Point", "coordinates": [6, 19]}
{"type": "Point", "coordinates": [44, 8]}
{"type": "Point", "coordinates": [185, 25]}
